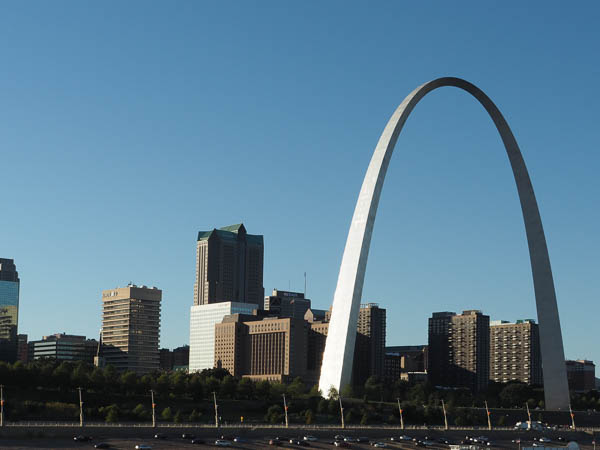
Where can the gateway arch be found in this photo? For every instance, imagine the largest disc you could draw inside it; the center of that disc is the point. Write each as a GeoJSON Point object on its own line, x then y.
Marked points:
{"type": "Point", "coordinates": [336, 369]}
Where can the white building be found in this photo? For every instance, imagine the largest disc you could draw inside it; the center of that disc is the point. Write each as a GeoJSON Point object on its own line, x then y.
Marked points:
{"type": "Point", "coordinates": [203, 319]}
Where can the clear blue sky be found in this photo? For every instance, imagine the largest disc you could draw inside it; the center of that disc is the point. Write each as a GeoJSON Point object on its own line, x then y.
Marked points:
{"type": "Point", "coordinates": [127, 127]}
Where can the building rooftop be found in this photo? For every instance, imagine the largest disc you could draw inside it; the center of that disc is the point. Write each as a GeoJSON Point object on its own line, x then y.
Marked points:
{"type": "Point", "coordinates": [231, 232]}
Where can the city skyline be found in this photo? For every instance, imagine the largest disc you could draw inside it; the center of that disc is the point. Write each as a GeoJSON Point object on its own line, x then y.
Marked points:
{"type": "Point", "coordinates": [102, 147]}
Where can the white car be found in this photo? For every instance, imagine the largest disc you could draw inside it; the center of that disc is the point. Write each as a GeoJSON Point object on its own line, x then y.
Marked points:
{"type": "Point", "coordinates": [222, 443]}
{"type": "Point", "coordinates": [310, 438]}
{"type": "Point", "coordinates": [380, 445]}
{"type": "Point", "coordinates": [405, 438]}
{"type": "Point", "coordinates": [544, 439]}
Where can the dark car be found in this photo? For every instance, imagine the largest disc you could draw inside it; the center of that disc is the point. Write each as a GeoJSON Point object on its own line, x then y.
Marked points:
{"type": "Point", "coordinates": [275, 442]}
{"type": "Point", "coordinates": [102, 445]}
{"type": "Point", "coordinates": [160, 436]}
{"type": "Point", "coordinates": [363, 439]}
{"type": "Point", "coordinates": [198, 441]}
{"type": "Point", "coordinates": [341, 444]}
{"type": "Point", "coordinates": [420, 444]}
{"type": "Point", "coordinates": [187, 436]}
{"type": "Point", "coordinates": [82, 438]}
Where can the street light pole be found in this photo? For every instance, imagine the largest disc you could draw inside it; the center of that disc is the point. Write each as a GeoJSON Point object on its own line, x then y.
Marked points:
{"type": "Point", "coordinates": [445, 418]}
{"type": "Point", "coordinates": [216, 410]}
{"type": "Point", "coordinates": [80, 408]}
{"type": "Point", "coordinates": [487, 411]}
{"type": "Point", "coordinates": [528, 415]}
{"type": "Point", "coordinates": [153, 409]}
{"type": "Point", "coordinates": [401, 418]}
{"type": "Point", "coordinates": [572, 417]}
{"type": "Point", "coordinates": [341, 411]}
{"type": "Point", "coordinates": [1, 405]}
{"type": "Point", "coordinates": [285, 411]}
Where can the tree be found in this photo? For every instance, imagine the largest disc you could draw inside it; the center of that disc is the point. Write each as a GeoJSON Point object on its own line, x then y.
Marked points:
{"type": "Point", "coordinates": [194, 416]}
{"type": "Point", "coordinates": [178, 417]}
{"type": "Point", "coordinates": [274, 414]}
{"type": "Point", "coordinates": [309, 417]}
{"type": "Point", "coordinates": [333, 393]}
{"type": "Point", "coordinates": [166, 414]}
{"type": "Point", "coordinates": [245, 389]}
{"type": "Point", "coordinates": [112, 413]}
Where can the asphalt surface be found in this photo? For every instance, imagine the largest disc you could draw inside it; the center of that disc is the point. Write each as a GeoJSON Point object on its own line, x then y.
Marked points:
{"type": "Point", "coordinates": [174, 441]}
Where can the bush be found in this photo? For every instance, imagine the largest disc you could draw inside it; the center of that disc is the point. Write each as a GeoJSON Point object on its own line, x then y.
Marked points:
{"type": "Point", "coordinates": [166, 414]}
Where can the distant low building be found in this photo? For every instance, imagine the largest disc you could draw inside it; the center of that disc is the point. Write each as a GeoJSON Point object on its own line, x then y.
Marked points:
{"type": "Point", "coordinates": [176, 359]}
{"type": "Point", "coordinates": [63, 347]}
{"type": "Point", "coordinates": [403, 359]}
{"type": "Point", "coordinates": [581, 375]}
{"type": "Point", "coordinates": [287, 304]}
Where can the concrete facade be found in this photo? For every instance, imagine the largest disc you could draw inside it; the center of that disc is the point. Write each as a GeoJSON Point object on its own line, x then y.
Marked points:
{"type": "Point", "coordinates": [339, 349]}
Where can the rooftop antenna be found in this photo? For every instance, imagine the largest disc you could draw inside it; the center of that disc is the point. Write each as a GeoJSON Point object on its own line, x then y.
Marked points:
{"type": "Point", "coordinates": [304, 284]}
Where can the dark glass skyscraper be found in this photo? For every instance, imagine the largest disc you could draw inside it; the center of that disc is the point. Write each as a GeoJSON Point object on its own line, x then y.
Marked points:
{"type": "Point", "coordinates": [9, 309]}
{"type": "Point", "coordinates": [229, 266]}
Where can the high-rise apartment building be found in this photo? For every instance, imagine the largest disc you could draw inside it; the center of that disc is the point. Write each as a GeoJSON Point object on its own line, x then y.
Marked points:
{"type": "Point", "coordinates": [515, 352]}
{"type": "Point", "coordinates": [369, 350]}
{"type": "Point", "coordinates": [459, 349]}
{"type": "Point", "coordinates": [9, 309]}
{"type": "Point", "coordinates": [203, 319]}
{"type": "Point", "coordinates": [287, 304]}
{"type": "Point", "coordinates": [63, 347]}
{"type": "Point", "coordinates": [229, 266]}
{"type": "Point", "coordinates": [131, 328]}
{"type": "Point", "coordinates": [273, 349]}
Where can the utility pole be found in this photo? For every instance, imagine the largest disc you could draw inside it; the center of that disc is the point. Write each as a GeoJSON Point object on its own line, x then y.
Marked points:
{"type": "Point", "coordinates": [401, 418]}
{"type": "Point", "coordinates": [1, 405]}
{"type": "Point", "coordinates": [153, 409]}
{"type": "Point", "coordinates": [572, 417]}
{"type": "Point", "coordinates": [285, 411]}
{"type": "Point", "coordinates": [216, 410]}
{"type": "Point", "coordinates": [529, 415]}
{"type": "Point", "coordinates": [487, 411]}
{"type": "Point", "coordinates": [445, 418]}
{"type": "Point", "coordinates": [80, 408]}
{"type": "Point", "coordinates": [341, 411]}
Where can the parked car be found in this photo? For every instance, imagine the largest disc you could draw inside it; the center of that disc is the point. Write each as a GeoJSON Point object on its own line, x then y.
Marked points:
{"type": "Point", "coordinates": [342, 444]}
{"type": "Point", "coordinates": [275, 442]}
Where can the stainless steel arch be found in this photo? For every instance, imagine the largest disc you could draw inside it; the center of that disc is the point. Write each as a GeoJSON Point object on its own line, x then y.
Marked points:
{"type": "Point", "coordinates": [339, 349]}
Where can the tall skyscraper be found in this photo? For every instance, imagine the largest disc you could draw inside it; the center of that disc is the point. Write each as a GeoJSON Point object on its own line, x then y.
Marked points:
{"type": "Point", "coordinates": [229, 266]}
{"type": "Point", "coordinates": [131, 328]}
{"type": "Point", "coordinates": [369, 350]}
{"type": "Point", "coordinates": [515, 352]}
{"type": "Point", "coordinates": [287, 304]}
{"type": "Point", "coordinates": [203, 319]}
{"type": "Point", "coordinates": [459, 349]}
{"type": "Point", "coordinates": [9, 309]}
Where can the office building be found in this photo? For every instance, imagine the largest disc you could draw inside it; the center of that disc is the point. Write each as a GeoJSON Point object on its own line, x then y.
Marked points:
{"type": "Point", "coordinates": [9, 309]}
{"type": "Point", "coordinates": [203, 319]}
{"type": "Point", "coordinates": [403, 359]}
{"type": "Point", "coordinates": [229, 267]}
{"type": "Point", "coordinates": [459, 349]}
{"type": "Point", "coordinates": [131, 328]}
{"type": "Point", "coordinates": [369, 350]}
{"type": "Point", "coordinates": [272, 349]}
{"type": "Point", "coordinates": [515, 352]}
{"type": "Point", "coordinates": [22, 348]}
{"type": "Point", "coordinates": [581, 375]}
{"type": "Point", "coordinates": [63, 347]}
{"type": "Point", "coordinates": [287, 304]}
